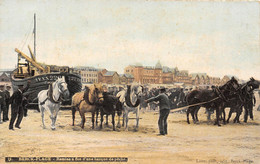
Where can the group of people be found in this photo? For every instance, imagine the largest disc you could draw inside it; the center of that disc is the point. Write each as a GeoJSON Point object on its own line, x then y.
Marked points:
{"type": "Point", "coordinates": [17, 101]}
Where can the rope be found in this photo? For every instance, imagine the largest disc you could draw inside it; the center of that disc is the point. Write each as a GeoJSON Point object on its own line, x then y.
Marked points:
{"type": "Point", "coordinates": [181, 108]}
{"type": "Point", "coordinates": [23, 42]}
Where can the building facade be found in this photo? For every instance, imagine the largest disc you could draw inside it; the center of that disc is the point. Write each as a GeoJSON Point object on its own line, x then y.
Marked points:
{"type": "Point", "coordinates": [108, 77]}
{"type": "Point", "coordinates": [126, 79]}
{"type": "Point", "coordinates": [88, 74]}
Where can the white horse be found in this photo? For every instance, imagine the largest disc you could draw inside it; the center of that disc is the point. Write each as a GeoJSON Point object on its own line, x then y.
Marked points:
{"type": "Point", "coordinates": [51, 99]}
{"type": "Point", "coordinates": [130, 98]}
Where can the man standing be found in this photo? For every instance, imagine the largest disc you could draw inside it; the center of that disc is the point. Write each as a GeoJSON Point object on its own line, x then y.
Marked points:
{"type": "Point", "coordinates": [164, 104]}
{"type": "Point", "coordinates": [7, 96]}
{"type": "Point", "coordinates": [181, 98]}
{"type": "Point", "coordinates": [16, 105]}
{"type": "Point", "coordinates": [2, 102]}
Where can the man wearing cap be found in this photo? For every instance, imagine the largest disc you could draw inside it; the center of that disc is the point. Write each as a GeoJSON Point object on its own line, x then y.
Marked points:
{"type": "Point", "coordinates": [7, 97]}
{"type": "Point", "coordinates": [164, 104]}
{"type": "Point", "coordinates": [2, 102]}
{"type": "Point", "coordinates": [16, 106]}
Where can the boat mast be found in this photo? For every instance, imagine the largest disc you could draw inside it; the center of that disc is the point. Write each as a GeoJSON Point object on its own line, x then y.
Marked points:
{"type": "Point", "coordinates": [34, 32]}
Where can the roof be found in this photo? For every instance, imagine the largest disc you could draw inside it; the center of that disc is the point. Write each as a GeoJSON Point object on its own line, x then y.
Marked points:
{"type": "Point", "coordinates": [149, 67]}
{"type": "Point", "coordinates": [86, 68]}
{"type": "Point", "coordinates": [109, 73]}
{"type": "Point", "coordinates": [5, 74]}
{"type": "Point", "coordinates": [199, 74]}
{"type": "Point", "coordinates": [127, 75]}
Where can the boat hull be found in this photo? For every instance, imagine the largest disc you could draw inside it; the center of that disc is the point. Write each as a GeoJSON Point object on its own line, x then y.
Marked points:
{"type": "Point", "coordinates": [41, 82]}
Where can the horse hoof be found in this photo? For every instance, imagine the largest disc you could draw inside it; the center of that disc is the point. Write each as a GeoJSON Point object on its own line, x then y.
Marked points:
{"type": "Point", "coordinates": [53, 128]}
{"type": "Point", "coordinates": [219, 125]}
{"type": "Point", "coordinates": [126, 130]}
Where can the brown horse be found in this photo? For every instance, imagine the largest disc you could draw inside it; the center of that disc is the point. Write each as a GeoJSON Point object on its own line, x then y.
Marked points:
{"type": "Point", "coordinates": [87, 101]}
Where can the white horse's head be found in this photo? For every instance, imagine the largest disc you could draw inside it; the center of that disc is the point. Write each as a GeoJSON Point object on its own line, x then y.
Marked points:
{"type": "Point", "coordinates": [137, 89]}
{"type": "Point", "coordinates": [136, 92]}
{"type": "Point", "coordinates": [62, 87]}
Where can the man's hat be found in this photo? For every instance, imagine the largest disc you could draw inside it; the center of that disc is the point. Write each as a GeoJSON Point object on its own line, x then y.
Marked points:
{"type": "Point", "coordinates": [162, 89]}
{"type": "Point", "coordinates": [2, 86]}
{"type": "Point", "coordinates": [8, 86]}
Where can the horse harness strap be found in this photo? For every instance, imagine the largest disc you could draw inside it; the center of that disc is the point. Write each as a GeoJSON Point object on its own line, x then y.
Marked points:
{"type": "Point", "coordinates": [79, 103]}
{"type": "Point", "coordinates": [220, 94]}
{"type": "Point", "coordinates": [50, 96]}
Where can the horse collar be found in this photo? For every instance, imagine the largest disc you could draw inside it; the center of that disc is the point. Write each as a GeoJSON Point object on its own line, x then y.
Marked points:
{"type": "Point", "coordinates": [86, 97]}
{"type": "Point", "coordinates": [50, 95]}
{"type": "Point", "coordinates": [128, 99]}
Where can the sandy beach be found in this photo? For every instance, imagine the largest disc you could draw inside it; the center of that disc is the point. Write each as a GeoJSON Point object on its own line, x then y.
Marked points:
{"type": "Point", "coordinates": [200, 143]}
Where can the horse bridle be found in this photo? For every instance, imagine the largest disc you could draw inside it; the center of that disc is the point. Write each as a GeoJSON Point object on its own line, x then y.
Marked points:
{"type": "Point", "coordinates": [60, 91]}
{"type": "Point", "coordinates": [59, 85]}
{"type": "Point", "coordinates": [97, 92]}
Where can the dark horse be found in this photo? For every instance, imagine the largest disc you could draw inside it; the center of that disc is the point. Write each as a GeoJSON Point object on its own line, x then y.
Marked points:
{"type": "Point", "coordinates": [111, 105]}
{"type": "Point", "coordinates": [210, 99]}
{"type": "Point", "coordinates": [245, 99]}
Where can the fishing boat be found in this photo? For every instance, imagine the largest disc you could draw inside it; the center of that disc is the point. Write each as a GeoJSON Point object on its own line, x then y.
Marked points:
{"type": "Point", "coordinates": [41, 75]}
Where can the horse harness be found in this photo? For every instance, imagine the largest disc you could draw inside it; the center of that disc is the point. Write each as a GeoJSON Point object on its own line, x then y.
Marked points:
{"type": "Point", "coordinates": [86, 98]}
{"type": "Point", "coordinates": [220, 94]}
{"type": "Point", "coordinates": [128, 100]}
{"type": "Point", "coordinates": [50, 96]}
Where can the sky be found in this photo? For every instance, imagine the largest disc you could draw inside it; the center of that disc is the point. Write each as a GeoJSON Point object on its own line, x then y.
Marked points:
{"type": "Point", "coordinates": [218, 38]}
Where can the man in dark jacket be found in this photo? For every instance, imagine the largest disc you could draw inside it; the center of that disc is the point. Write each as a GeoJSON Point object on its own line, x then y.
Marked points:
{"type": "Point", "coordinates": [164, 104]}
{"type": "Point", "coordinates": [2, 102]}
{"type": "Point", "coordinates": [16, 106]}
{"type": "Point", "coordinates": [6, 111]}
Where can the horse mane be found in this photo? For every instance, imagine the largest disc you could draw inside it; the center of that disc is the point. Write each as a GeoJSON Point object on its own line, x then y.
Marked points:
{"type": "Point", "coordinates": [128, 99]}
